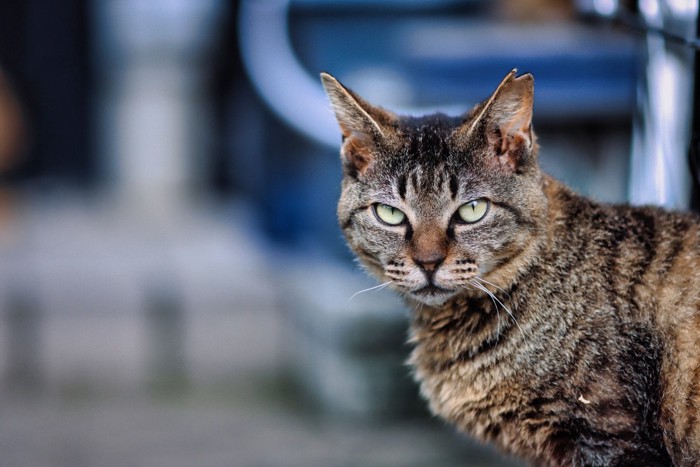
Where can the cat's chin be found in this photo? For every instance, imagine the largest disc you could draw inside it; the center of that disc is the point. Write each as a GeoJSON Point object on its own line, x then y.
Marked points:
{"type": "Point", "coordinates": [432, 295]}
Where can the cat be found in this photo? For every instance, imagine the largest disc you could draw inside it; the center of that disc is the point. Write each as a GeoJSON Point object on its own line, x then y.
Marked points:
{"type": "Point", "coordinates": [562, 330]}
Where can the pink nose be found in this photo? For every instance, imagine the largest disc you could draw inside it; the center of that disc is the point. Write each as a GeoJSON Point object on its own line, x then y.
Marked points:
{"type": "Point", "coordinates": [429, 262]}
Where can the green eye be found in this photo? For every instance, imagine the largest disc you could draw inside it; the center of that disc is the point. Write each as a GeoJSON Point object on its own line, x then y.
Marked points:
{"type": "Point", "coordinates": [473, 211]}
{"type": "Point", "coordinates": [388, 214]}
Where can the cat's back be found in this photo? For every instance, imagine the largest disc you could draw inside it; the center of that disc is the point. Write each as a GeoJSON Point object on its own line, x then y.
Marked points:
{"type": "Point", "coordinates": [640, 248]}
{"type": "Point", "coordinates": [647, 256]}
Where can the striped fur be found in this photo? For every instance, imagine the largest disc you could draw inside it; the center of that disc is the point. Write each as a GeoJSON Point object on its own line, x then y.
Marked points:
{"type": "Point", "coordinates": [562, 330]}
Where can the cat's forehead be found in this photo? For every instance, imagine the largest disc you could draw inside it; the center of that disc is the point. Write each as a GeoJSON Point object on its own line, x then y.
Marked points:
{"type": "Point", "coordinates": [428, 187]}
{"type": "Point", "coordinates": [427, 133]}
{"type": "Point", "coordinates": [419, 142]}
{"type": "Point", "coordinates": [423, 152]}
{"type": "Point", "coordinates": [422, 165]}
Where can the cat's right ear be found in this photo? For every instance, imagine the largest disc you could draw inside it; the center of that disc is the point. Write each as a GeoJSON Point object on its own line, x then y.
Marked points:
{"type": "Point", "coordinates": [506, 122]}
{"type": "Point", "coordinates": [363, 126]}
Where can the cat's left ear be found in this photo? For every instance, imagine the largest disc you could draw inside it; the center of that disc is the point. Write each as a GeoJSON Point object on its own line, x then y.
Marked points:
{"type": "Point", "coordinates": [506, 119]}
{"type": "Point", "coordinates": [364, 127]}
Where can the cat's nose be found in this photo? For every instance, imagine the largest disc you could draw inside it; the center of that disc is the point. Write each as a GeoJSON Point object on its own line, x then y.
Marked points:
{"type": "Point", "coordinates": [429, 262]}
{"type": "Point", "coordinates": [428, 248]}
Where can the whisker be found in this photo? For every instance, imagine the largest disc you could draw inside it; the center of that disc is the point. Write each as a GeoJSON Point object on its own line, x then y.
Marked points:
{"type": "Point", "coordinates": [495, 305]}
{"type": "Point", "coordinates": [418, 306]}
{"type": "Point", "coordinates": [484, 289]}
{"type": "Point", "coordinates": [493, 297]}
{"type": "Point", "coordinates": [481, 279]}
{"type": "Point", "coordinates": [376, 287]}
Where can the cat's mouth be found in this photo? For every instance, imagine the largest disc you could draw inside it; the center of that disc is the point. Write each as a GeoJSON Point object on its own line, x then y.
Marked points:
{"type": "Point", "coordinates": [431, 294]}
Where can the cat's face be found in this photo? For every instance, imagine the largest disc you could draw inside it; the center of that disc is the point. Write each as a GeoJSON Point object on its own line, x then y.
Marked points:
{"type": "Point", "coordinates": [433, 205]}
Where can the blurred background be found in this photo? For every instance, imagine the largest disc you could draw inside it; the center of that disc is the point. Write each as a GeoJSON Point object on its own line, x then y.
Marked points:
{"type": "Point", "coordinates": [174, 290]}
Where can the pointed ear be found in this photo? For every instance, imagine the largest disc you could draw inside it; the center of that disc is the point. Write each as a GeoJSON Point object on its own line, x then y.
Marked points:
{"type": "Point", "coordinates": [506, 119]}
{"type": "Point", "coordinates": [362, 125]}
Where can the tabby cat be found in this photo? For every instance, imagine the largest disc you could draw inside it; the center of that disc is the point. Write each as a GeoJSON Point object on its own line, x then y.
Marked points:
{"type": "Point", "coordinates": [563, 330]}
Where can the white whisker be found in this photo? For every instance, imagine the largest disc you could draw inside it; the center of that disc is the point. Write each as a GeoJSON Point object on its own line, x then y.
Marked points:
{"type": "Point", "coordinates": [481, 279]}
{"type": "Point", "coordinates": [484, 289]}
{"type": "Point", "coordinates": [418, 306]}
{"type": "Point", "coordinates": [495, 305]}
{"type": "Point", "coordinates": [376, 287]}
{"type": "Point", "coordinates": [493, 297]}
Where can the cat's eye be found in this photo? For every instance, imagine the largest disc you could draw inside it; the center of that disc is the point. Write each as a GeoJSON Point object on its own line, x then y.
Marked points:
{"type": "Point", "coordinates": [473, 211]}
{"type": "Point", "coordinates": [389, 214]}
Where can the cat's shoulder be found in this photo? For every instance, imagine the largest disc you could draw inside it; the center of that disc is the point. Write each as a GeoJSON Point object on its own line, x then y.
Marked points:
{"type": "Point", "coordinates": [563, 200]}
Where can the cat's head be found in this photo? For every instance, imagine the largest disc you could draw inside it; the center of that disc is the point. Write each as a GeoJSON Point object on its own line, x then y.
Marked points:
{"type": "Point", "coordinates": [439, 205]}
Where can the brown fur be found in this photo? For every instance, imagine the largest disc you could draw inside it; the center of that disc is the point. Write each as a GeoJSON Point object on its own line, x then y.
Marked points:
{"type": "Point", "coordinates": [562, 330]}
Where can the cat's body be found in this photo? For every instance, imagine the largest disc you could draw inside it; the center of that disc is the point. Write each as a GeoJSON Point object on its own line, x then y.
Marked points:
{"type": "Point", "coordinates": [565, 331]}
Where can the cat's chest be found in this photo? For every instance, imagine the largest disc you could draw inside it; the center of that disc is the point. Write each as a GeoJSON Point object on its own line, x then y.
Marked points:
{"type": "Point", "coordinates": [529, 393]}
{"type": "Point", "coordinates": [482, 398]}
{"type": "Point", "coordinates": [473, 364]}
{"type": "Point", "coordinates": [456, 382]}
{"type": "Point", "coordinates": [524, 411]}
